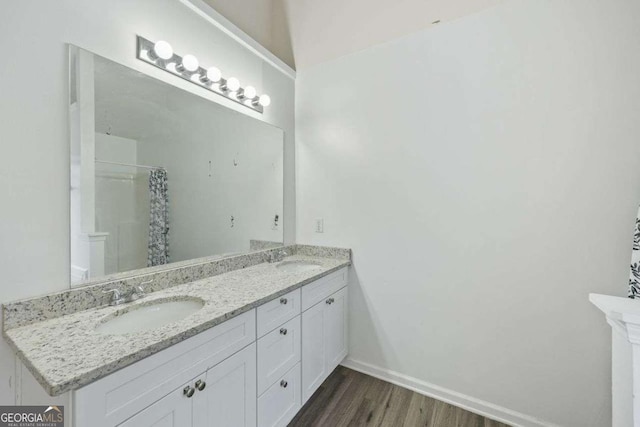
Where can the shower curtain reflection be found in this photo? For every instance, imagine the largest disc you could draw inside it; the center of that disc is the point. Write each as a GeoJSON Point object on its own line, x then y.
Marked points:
{"type": "Point", "coordinates": [158, 218]}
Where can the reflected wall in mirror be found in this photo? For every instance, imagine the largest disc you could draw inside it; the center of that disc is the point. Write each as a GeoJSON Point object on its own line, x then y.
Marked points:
{"type": "Point", "coordinates": [160, 175]}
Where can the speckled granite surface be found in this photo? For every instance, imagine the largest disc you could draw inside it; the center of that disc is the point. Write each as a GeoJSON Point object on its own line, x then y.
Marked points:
{"type": "Point", "coordinates": [322, 251]}
{"type": "Point", "coordinates": [91, 294]}
{"type": "Point", "coordinates": [260, 245]}
{"type": "Point", "coordinates": [65, 353]}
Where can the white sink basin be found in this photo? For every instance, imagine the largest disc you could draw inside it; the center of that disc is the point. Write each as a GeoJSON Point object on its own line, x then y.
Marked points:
{"type": "Point", "coordinates": [149, 316]}
{"type": "Point", "coordinates": [298, 266]}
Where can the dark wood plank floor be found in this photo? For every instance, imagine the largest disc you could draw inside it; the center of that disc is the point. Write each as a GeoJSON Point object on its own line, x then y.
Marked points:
{"type": "Point", "coordinates": [349, 398]}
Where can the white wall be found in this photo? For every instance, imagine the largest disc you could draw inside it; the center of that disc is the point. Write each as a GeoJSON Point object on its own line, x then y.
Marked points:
{"type": "Point", "coordinates": [486, 174]}
{"type": "Point", "coordinates": [34, 140]}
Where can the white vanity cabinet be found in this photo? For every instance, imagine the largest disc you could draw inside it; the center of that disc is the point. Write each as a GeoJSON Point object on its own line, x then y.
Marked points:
{"type": "Point", "coordinates": [256, 369]}
{"type": "Point", "coordinates": [161, 389]}
{"type": "Point", "coordinates": [324, 330]}
{"type": "Point", "coordinates": [223, 396]}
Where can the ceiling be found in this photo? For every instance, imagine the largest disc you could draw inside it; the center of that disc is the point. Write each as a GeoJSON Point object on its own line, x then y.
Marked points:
{"type": "Point", "coordinates": [263, 20]}
{"type": "Point", "coordinates": [307, 32]}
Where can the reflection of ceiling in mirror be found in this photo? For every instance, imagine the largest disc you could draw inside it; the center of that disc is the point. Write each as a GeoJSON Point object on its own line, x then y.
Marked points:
{"type": "Point", "coordinates": [133, 105]}
{"type": "Point", "coordinates": [128, 104]}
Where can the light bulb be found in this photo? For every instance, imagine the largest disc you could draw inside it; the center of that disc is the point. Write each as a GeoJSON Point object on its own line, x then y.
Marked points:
{"type": "Point", "coordinates": [233, 84]}
{"type": "Point", "coordinates": [214, 74]}
{"type": "Point", "coordinates": [249, 92]}
{"type": "Point", "coordinates": [162, 50]}
{"type": "Point", "coordinates": [264, 100]}
{"type": "Point", "coordinates": [189, 63]}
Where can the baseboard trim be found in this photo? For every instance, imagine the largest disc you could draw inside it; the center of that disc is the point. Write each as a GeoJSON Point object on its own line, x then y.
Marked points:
{"type": "Point", "coordinates": [469, 403]}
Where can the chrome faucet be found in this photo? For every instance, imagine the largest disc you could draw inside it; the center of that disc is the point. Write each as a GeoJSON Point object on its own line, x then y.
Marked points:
{"type": "Point", "coordinates": [136, 293]}
{"type": "Point", "coordinates": [277, 256]}
{"type": "Point", "coordinates": [116, 298]}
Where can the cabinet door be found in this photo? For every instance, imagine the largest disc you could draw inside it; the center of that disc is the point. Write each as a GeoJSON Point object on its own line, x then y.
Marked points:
{"type": "Point", "coordinates": [314, 365]}
{"type": "Point", "coordinates": [173, 410]}
{"type": "Point", "coordinates": [228, 398]}
{"type": "Point", "coordinates": [337, 329]}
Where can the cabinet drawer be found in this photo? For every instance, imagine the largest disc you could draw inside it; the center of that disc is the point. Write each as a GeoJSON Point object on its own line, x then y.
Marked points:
{"type": "Point", "coordinates": [280, 403]}
{"type": "Point", "coordinates": [122, 394]}
{"type": "Point", "coordinates": [278, 351]}
{"type": "Point", "coordinates": [316, 291]}
{"type": "Point", "coordinates": [277, 311]}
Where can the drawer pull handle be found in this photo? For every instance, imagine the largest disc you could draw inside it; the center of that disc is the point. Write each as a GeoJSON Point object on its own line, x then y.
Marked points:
{"type": "Point", "coordinates": [200, 385]}
{"type": "Point", "coordinates": [284, 384]}
{"type": "Point", "coordinates": [283, 301]}
{"type": "Point", "coordinates": [330, 301]}
{"type": "Point", "coordinates": [283, 331]}
{"type": "Point", "coordinates": [188, 391]}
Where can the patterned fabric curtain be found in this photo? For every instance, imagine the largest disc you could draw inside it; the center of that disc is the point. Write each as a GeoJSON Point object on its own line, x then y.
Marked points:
{"type": "Point", "coordinates": [634, 276]}
{"type": "Point", "coordinates": [159, 218]}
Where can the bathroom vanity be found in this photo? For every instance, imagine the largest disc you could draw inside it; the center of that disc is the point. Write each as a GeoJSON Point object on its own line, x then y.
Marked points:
{"type": "Point", "coordinates": [265, 338]}
{"type": "Point", "coordinates": [184, 307]}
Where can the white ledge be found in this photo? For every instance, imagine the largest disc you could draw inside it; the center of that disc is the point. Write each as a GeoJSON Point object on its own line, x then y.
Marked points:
{"type": "Point", "coordinates": [623, 314]}
{"type": "Point", "coordinates": [620, 309]}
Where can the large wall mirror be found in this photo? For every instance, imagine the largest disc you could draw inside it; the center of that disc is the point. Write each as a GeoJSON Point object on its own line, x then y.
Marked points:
{"type": "Point", "coordinates": [160, 175]}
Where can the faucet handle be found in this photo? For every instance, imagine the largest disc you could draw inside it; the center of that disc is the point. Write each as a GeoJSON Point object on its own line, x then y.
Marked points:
{"type": "Point", "coordinates": [138, 290]}
{"type": "Point", "coordinates": [136, 293]}
{"type": "Point", "coordinates": [116, 298]}
{"type": "Point", "coordinates": [282, 254]}
{"type": "Point", "coordinates": [116, 293]}
{"type": "Point", "coordinates": [277, 255]}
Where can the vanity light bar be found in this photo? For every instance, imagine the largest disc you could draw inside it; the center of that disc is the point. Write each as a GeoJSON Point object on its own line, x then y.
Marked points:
{"type": "Point", "coordinates": [161, 55]}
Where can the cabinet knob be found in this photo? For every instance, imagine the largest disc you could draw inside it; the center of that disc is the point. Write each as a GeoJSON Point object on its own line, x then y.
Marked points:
{"type": "Point", "coordinates": [283, 301]}
{"type": "Point", "coordinates": [330, 301]}
{"type": "Point", "coordinates": [200, 385]}
{"type": "Point", "coordinates": [188, 391]}
{"type": "Point", "coordinates": [284, 384]}
{"type": "Point", "coordinates": [283, 331]}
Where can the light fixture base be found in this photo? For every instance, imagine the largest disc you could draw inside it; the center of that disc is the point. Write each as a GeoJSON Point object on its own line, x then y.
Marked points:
{"type": "Point", "coordinates": [144, 46]}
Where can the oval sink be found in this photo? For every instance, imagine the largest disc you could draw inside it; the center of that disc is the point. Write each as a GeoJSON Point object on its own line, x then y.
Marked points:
{"type": "Point", "coordinates": [298, 266]}
{"type": "Point", "coordinates": [149, 316]}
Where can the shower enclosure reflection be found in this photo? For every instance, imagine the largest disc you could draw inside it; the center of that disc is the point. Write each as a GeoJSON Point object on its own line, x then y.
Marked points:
{"type": "Point", "coordinates": [160, 175]}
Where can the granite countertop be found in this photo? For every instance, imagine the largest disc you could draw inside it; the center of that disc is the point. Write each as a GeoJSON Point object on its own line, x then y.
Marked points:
{"type": "Point", "coordinates": [65, 353]}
